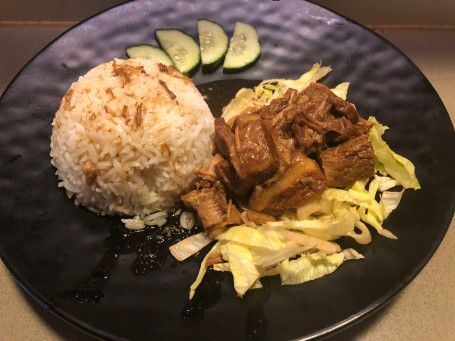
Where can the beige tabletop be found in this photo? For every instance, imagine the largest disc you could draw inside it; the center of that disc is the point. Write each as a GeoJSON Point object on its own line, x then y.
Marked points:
{"type": "Point", "coordinates": [424, 310]}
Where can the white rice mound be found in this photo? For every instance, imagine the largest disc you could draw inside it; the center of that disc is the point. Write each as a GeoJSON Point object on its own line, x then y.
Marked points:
{"type": "Point", "coordinates": [128, 137]}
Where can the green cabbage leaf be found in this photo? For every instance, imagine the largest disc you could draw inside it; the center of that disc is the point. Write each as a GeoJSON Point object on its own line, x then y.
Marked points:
{"type": "Point", "coordinates": [390, 163]}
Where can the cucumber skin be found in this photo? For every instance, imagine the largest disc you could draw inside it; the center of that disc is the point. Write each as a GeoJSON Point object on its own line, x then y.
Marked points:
{"type": "Point", "coordinates": [234, 70]}
{"type": "Point", "coordinates": [195, 67]}
{"type": "Point", "coordinates": [209, 68]}
{"type": "Point", "coordinates": [227, 69]}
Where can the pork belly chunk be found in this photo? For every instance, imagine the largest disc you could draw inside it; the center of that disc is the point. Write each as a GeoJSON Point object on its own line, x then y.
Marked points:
{"type": "Point", "coordinates": [256, 150]}
{"type": "Point", "coordinates": [302, 182]}
{"type": "Point", "coordinates": [213, 209]}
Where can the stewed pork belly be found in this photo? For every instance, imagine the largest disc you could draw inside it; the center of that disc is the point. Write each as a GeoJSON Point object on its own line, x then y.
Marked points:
{"type": "Point", "coordinates": [281, 156]}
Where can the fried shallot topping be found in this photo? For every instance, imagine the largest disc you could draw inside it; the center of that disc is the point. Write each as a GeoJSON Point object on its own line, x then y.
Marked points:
{"type": "Point", "coordinates": [138, 116]}
{"type": "Point", "coordinates": [125, 71]}
{"type": "Point", "coordinates": [124, 111]}
{"type": "Point", "coordinates": [110, 92]}
{"type": "Point", "coordinates": [164, 85]}
{"type": "Point", "coordinates": [164, 148]}
{"type": "Point", "coordinates": [89, 171]}
{"type": "Point", "coordinates": [171, 71]}
{"type": "Point", "coordinates": [163, 68]}
{"type": "Point", "coordinates": [67, 99]}
{"type": "Point", "coordinates": [214, 259]}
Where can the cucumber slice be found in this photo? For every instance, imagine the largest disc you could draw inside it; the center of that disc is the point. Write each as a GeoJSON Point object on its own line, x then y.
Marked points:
{"type": "Point", "coordinates": [244, 48]}
{"type": "Point", "coordinates": [149, 52]}
{"type": "Point", "coordinates": [181, 47]}
{"type": "Point", "coordinates": [213, 42]}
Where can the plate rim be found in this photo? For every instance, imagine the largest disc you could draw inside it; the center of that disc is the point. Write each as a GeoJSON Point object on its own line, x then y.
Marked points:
{"type": "Point", "coordinates": [329, 331]}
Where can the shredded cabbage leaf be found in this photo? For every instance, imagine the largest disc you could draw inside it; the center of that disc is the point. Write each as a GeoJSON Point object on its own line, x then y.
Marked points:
{"type": "Point", "coordinates": [300, 246]}
{"type": "Point", "coordinates": [390, 163]}
{"type": "Point", "coordinates": [308, 267]}
{"type": "Point", "coordinates": [249, 255]}
{"type": "Point", "coordinates": [189, 246]}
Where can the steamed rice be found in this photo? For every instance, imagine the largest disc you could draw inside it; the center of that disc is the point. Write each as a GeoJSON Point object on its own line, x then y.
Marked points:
{"type": "Point", "coordinates": [128, 137]}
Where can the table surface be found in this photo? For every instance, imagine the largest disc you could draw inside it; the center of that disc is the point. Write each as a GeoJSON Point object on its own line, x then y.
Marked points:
{"type": "Point", "coordinates": [424, 310]}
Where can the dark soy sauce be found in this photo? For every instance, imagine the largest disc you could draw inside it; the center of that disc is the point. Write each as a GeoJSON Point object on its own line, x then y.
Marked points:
{"type": "Point", "coordinates": [151, 246]}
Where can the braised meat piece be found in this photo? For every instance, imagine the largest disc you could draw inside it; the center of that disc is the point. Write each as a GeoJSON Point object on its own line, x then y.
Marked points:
{"type": "Point", "coordinates": [302, 182]}
{"type": "Point", "coordinates": [339, 130]}
{"type": "Point", "coordinates": [326, 113]}
{"type": "Point", "coordinates": [226, 145]}
{"type": "Point", "coordinates": [280, 157]}
{"type": "Point", "coordinates": [213, 210]}
{"type": "Point", "coordinates": [284, 150]}
{"type": "Point", "coordinates": [224, 138]}
{"type": "Point", "coordinates": [307, 139]}
{"type": "Point", "coordinates": [256, 151]}
{"type": "Point", "coordinates": [269, 112]}
{"type": "Point", "coordinates": [341, 107]}
{"type": "Point", "coordinates": [227, 175]}
{"type": "Point", "coordinates": [279, 115]}
{"type": "Point", "coordinates": [363, 126]}
{"type": "Point", "coordinates": [315, 117]}
{"type": "Point", "coordinates": [208, 172]}
{"type": "Point", "coordinates": [258, 217]}
{"type": "Point", "coordinates": [348, 162]}
{"type": "Point", "coordinates": [251, 152]}
{"type": "Point", "coordinates": [242, 119]}
{"type": "Point", "coordinates": [321, 102]}
{"type": "Point", "coordinates": [210, 205]}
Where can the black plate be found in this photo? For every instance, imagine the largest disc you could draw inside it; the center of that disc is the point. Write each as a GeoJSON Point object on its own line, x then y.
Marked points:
{"type": "Point", "coordinates": [62, 254]}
